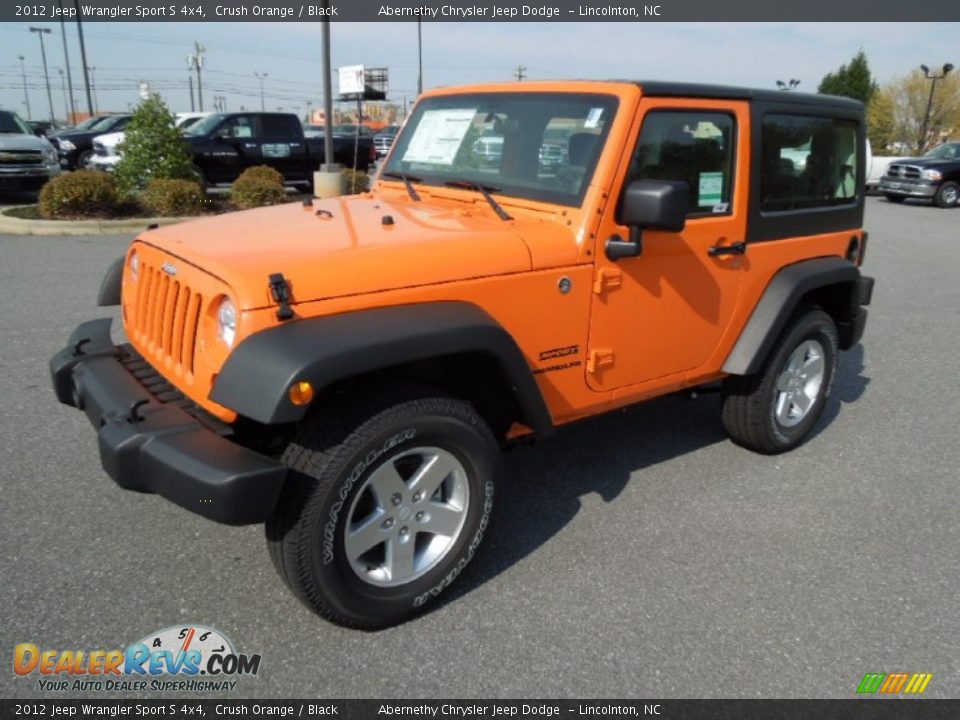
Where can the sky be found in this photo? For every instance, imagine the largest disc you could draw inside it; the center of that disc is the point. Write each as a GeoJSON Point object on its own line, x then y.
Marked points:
{"type": "Point", "coordinates": [751, 54]}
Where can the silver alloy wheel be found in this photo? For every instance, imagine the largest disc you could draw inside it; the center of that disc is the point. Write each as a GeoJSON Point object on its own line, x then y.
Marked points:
{"type": "Point", "coordinates": [798, 385]}
{"type": "Point", "coordinates": [950, 195]}
{"type": "Point", "coordinates": [407, 516]}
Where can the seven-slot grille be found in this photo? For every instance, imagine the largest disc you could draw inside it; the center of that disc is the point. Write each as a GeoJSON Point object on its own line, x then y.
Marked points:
{"type": "Point", "coordinates": [166, 318]}
{"type": "Point", "coordinates": [908, 172]}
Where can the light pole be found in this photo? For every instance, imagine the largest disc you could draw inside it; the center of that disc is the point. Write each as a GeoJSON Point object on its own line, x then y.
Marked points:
{"type": "Point", "coordinates": [791, 84]}
{"type": "Point", "coordinates": [196, 61]}
{"type": "Point", "coordinates": [93, 86]}
{"type": "Point", "coordinates": [26, 95]}
{"type": "Point", "coordinates": [419, 59]}
{"type": "Point", "coordinates": [83, 58]}
{"type": "Point", "coordinates": [260, 76]}
{"type": "Point", "coordinates": [46, 76]}
{"type": "Point", "coordinates": [66, 61]}
{"type": "Point", "coordinates": [932, 77]}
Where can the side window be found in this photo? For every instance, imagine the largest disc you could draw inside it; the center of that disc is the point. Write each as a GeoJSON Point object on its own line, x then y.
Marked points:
{"type": "Point", "coordinates": [239, 126]}
{"type": "Point", "coordinates": [280, 127]}
{"type": "Point", "coordinates": [807, 162]}
{"type": "Point", "coordinates": [696, 147]}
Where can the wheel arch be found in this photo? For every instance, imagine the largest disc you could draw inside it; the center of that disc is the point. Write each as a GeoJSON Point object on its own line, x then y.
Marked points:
{"type": "Point", "coordinates": [831, 283]}
{"type": "Point", "coordinates": [455, 346]}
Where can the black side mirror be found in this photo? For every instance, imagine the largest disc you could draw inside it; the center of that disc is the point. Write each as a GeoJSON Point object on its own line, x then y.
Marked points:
{"type": "Point", "coordinates": [39, 132]}
{"type": "Point", "coordinates": [650, 204]}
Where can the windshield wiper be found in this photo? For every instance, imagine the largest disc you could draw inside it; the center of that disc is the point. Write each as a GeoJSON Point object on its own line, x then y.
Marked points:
{"type": "Point", "coordinates": [408, 181]}
{"type": "Point", "coordinates": [484, 190]}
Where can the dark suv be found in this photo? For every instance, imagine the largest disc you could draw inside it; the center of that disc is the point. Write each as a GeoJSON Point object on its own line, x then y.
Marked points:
{"type": "Point", "coordinates": [935, 176]}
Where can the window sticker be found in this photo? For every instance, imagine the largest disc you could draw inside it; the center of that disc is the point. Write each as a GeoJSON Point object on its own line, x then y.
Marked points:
{"type": "Point", "coordinates": [276, 150]}
{"type": "Point", "coordinates": [721, 208]}
{"type": "Point", "coordinates": [593, 117]}
{"type": "Point", "coordinates": [439, 135]}
{"type": "Point", "coordinates": [711, 189]}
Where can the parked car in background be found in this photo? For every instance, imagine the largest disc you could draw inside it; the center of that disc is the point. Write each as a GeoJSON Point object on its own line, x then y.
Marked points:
{"type": "Point", "coordinates": [551, 155]}
{"type": "Point", "coordinates": [75, 145]}
{"type": "Point", "coordinates": [41, 128]}
{"type": "Point", "coordinates": [223, 145]}
{"type": "Point", "coordinates": [934, 177]}
{"type": "Point", "coordinates": [352, 130]}
{"type": "Point", "coordinates": [383, 140]}
{"type": "Point", "coordinates": [26, 161]}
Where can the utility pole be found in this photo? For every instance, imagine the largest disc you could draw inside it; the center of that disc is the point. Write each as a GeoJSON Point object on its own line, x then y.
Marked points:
{"type": "Point", "coordinates": [260, 76]}
{"type": "Point", "coordinates": [93, 84]}
{"type": "Point", "coordinates": [26, 95]}
{"type": "Point", "coordinates": [46, 76]}
{"type": "Point", "coordinates": [66, 104]}
{"type": "Point", "coordinates": [419, 59]}
{"type": "Point", "coordinates": [196, 62]}
{"type": "Point", "coordinates": [932, 77]}
{"type": "Point", "coordinates": [520, 72]}
{"type": "Point", "coordinates": [66, 61]}
{"type": "Point", "coordinates": [83, 58]}
{"type": "Point", "coordinates": [190, 83]}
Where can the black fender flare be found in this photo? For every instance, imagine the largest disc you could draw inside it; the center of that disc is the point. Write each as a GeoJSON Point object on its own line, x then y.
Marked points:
{"type": "Point", "coordinates": [110, 286]}
{"type": "Point", "coordinates": [256, 377]}
{"type": "Point", "coordinates": [780, 300]}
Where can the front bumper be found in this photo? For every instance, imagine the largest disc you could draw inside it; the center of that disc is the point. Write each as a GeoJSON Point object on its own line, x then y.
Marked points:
{"type": "Point", "coordinates": [907, 188]}
{"type": "Point", "coordinates": [150, 445]}
{"type": "Point", "coordinates": [26, 178]}
{"type": "Point", "coordinates": [107, 163]}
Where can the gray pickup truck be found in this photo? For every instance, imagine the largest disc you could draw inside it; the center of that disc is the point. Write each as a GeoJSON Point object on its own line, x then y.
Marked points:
{"type": "Point", "coordinates": [26, 161]}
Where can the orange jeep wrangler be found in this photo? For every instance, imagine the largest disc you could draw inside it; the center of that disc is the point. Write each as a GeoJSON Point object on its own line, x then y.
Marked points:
{"type": "Point", "coordinates": [347, 370]}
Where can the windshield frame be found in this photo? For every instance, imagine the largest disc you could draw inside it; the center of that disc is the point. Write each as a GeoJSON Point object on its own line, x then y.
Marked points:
{"type": "Point", "coordinates": [17, 122]}
{"type": "Point", "coordinates": [498, 185]}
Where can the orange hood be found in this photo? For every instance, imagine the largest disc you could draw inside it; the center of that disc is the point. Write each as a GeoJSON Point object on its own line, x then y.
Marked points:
{"type": "Point", "coordinates": [356, 250]}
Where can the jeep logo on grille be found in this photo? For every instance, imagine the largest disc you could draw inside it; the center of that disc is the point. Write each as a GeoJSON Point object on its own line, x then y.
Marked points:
{"type": "Point", "coordinates": [169, 268]}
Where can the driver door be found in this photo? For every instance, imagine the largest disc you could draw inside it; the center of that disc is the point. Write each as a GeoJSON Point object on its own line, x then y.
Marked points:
{"type": "Point", "coordinates": [663, 314]}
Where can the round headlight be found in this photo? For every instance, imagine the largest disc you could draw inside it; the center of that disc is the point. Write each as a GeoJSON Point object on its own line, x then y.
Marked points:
{"type": "Point", "coordinates": [227, 321]}
{"type": "Point", "coordinates": [134, 263]}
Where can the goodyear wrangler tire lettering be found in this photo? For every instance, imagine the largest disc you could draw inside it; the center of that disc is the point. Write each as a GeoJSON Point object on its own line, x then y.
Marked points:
{"type": "Point", "coordinates": [362, 579]}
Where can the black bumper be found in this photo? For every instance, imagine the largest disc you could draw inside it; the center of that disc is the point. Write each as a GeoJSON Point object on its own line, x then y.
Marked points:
{"type": "Point", "coordinates": [153, 446]}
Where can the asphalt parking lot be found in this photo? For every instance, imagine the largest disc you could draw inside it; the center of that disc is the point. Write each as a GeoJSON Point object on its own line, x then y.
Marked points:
{"type": "Point", "coordinates": [636, 555]}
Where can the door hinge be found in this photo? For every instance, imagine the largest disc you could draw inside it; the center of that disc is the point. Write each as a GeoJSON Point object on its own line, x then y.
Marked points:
{"type": "Point", "coordinates": [599, 359]}
{"type": "Point", "coordinates": [606, 279]}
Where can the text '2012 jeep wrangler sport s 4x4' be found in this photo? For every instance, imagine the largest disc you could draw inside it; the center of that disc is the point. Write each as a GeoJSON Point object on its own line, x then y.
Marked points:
{"type": "Point", "coordinates": [347, 370]}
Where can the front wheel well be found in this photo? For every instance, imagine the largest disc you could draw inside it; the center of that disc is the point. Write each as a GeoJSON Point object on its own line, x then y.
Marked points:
{"type": "Point", "coordinates": [475, 377]}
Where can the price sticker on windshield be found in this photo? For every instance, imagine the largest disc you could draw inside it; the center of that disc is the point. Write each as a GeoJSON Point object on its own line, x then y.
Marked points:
{"type": "Point", "coordinates": [439, 135]}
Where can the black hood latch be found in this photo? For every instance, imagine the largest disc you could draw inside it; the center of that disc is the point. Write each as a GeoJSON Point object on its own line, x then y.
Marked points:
{"type": "Point", "coordinates": [280, 290]}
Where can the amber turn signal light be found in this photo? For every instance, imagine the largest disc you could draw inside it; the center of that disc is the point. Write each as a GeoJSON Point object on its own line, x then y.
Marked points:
{"type": "Point", "coordinates": [301, 393]}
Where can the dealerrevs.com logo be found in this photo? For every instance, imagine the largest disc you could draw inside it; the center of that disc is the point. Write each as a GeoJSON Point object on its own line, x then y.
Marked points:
{"type": "Point", "coordinates": [192, 658]}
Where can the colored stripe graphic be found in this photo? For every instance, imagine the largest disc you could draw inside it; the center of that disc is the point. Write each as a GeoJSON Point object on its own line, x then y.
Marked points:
{"type": "Point", "coordinates": [918, 683]}
{"type": "Point", "coordinates": [894, 683]}
{"type": "Point", "coordinates": [871, 682]}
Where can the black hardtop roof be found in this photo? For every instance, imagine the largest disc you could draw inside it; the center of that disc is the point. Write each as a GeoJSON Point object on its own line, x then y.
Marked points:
{"type": "Point", "coordinates": [660, 88]}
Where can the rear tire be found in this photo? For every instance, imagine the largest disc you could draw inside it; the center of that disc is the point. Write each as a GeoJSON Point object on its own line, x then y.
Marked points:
{"type": "Point", "coordinates": [83, 160]}
{"type": "Point", "coordinates": [386, 501]}
{"type": "Point", "coordinates": [775, 410]}
{"type": "Point", "coordinates": [896, 199]}
{"type": "Point", "coordinates": [948, 195]}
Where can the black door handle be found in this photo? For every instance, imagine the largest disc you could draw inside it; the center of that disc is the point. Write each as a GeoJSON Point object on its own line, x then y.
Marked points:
{"type": "Point", "coordinates": [737, 248]}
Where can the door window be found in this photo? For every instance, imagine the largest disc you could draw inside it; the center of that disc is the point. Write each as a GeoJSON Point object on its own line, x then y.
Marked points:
{"type": "Point", "coordinates": [695, 147]}
{"type": "Point", "coordinates": [280, 127]}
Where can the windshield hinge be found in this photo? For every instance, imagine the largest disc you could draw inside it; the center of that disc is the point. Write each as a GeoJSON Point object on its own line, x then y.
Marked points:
{"type": "Point", "coordinates": [280, 290]}
{"type": "Point", "coordinates": [606, 279]}
{"type": "Point", "coordinates": [599, 359]}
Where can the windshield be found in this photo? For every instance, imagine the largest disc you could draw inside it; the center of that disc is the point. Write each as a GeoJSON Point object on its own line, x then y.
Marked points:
{"type": "Point", "coordinates": [497, 140]}
{"type": "Point", "coordinates": [88, 123]}
{"type": "Point", "coordinates": [11, 124]}
{"type": "Point", "coordinates": [950, 151]}
{"type": "Point", "coordinates": [205, 126]}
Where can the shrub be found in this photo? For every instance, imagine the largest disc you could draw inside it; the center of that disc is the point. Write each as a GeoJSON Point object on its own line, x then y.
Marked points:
{"type": "Point", "coordinates": [258, 186]}
{"type": "Point", "coordinates": [172, 197]}
{"type": "Point", "coordinates": [263, 172]}
{"type": "Point", "coordinates": [152, 148]}
{"type": "Point", "coordinates": [81, 194]}
{"type": "Point", "coordinates": [254, 192]}
{"type": "Point", "coordinates": [357, 181]}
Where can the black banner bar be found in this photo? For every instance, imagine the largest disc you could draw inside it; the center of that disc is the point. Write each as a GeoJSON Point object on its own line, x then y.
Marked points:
{"type": "Point", "coordinates": [481, 10]}
{"type": "Point", "coordinates": [855, 709]}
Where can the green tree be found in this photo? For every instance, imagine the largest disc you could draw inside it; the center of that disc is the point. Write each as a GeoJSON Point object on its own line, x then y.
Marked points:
{"type": "Point", "coordinates": [852, 80]}
{"type": "Point", "coordinates": [152, 149]}
{"type": "Point", "coordinates": [911, 98]}
{"type": "Point", "coordinates": [881, 121]}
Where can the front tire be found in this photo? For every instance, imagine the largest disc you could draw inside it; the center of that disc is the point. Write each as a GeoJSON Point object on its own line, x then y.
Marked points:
{"type": "Point", "coordinates": [948, 195]}
{"type": "Point", "coordinates": [386, 501]}
{"type": "Point", "coordinates": [775, 410]}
